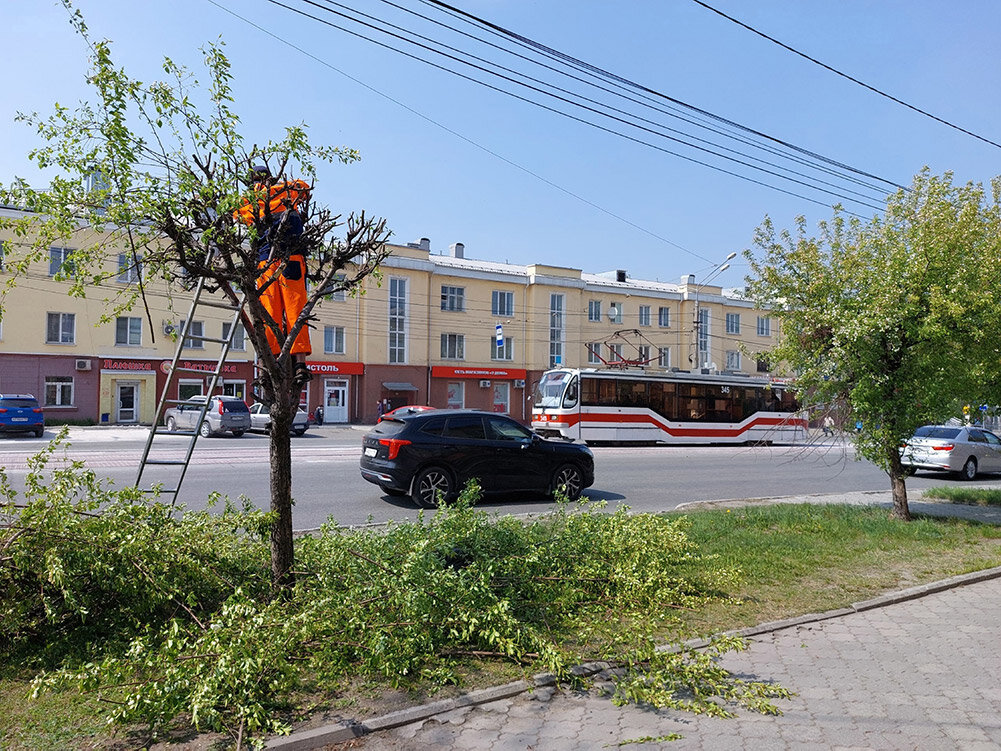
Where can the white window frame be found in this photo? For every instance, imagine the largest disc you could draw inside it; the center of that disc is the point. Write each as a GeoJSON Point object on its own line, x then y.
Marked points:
{"type": "Point", "coordinates": [333, 340]}
{"type": "Point", "coordinates": [239, 343]}
{"type": "Point", "coordinates": [594, 311]}
{"type": "Point", "coordinates": [733, 323]}
{"type": "Point", "coordinates": [643, 354]}
{"type": "Point", "coordinates": [398, 323]}
{"type": "Point", "coordinates": [664, 317]}
{"type": "Point", "coordinates": [63, 391]}
{"type": "Point", "coordinates": [733, 359]}
{"type": "Point", "coordinates": [197, 328]}
{"type": "Point", "coordinates": [128, 272]}
{"type": "Point", "coordinates": [502, 303]}
{"type": "Point", "coordinates": [66, 328]}
{"type": "Point", "coordinates": [64, 264]}
{"type": "Point", "coordinates": [644, 315]}
{"type": "Point", "coordinates": [453, 347]}
{"type": "Point", "coordinates": [453, 299]}
{"type": "Point", "coordinates": [593, 353]}
{"type": "Point", "coordinates": [133, 330]}
{"type": "Point", "coordinates": [619, 312]}
{"type": "Point", "coordinates": [614, 352]}
{"type": "Point", "coordinates": [764, 326]}
{"type": "Point", "coordinates": [503, 352]}
{"type": "Point", "coordinates": [664, 357]}
{"type": "Point", "coordinates": [557, 328]}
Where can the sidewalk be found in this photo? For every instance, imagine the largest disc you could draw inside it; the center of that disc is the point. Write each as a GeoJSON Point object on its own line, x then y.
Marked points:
{"type": "Point", "coordinates": [917, 669]}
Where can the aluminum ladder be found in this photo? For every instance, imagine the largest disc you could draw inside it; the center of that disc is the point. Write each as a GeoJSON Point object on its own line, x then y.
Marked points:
{"type": "Point", "coordinates": [160, 451]}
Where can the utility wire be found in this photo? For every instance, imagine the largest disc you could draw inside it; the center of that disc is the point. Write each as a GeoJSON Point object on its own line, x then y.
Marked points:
{"type": "Point", "coordinates": [568, 115]}
{"type": "Point", "coordinates": [863, 84]}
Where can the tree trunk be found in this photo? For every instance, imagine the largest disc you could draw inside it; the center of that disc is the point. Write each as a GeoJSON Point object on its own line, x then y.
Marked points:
{"type": "Point", "coordinates": [898, 484]}
{"type": "Point", "coordinates": [282, 552]}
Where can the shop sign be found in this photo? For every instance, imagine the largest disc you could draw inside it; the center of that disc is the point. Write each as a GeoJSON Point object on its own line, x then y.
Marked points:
{"type": "Point", "coordinates": [335, 368]}
{"type": "Point", "coordinates": [208, 367]}
{"type": "Point", "coordinates": [441, 371]}
{"type": "Point", "coordinates": [130, 365]}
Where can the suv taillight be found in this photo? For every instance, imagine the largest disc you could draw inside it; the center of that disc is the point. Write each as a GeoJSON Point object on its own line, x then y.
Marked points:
{"type": "Point", "coordinates": [220, 406]}
{"type": "Point", "coordinates": [393, 444]}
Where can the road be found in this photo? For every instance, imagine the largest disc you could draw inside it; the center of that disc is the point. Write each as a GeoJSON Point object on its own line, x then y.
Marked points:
{"type": "Point", "coordinates": [327, 484]}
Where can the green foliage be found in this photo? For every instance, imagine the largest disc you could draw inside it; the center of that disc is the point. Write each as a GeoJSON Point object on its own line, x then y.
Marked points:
{"type": "Point", "coordinates": [166, 613]}
{"type": "Point", "coordinates": [894, 317]}
{"type": "Point", "coordinates": [969, 496]}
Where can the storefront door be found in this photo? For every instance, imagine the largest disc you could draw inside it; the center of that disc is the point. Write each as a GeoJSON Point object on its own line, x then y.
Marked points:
{"type": "Point", "coordinates": [126, 400]}
{"type": "Point", "coordinates": [335, 401]}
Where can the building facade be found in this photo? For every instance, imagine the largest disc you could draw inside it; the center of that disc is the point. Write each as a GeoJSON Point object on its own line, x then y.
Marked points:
{"type": "Point", "coordinates": [438, 329]}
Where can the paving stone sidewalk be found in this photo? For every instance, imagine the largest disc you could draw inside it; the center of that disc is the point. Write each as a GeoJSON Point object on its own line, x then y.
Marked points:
{"type": "Point", "coordinates": [920, 674]}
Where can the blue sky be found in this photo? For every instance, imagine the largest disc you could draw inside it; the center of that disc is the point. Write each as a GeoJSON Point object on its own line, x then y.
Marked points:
{"type": "Point", "coordinates": [452, 161]}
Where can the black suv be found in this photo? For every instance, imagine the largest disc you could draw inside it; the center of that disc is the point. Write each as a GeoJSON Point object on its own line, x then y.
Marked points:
{"type": "Point", "coordinates": [431, 455]}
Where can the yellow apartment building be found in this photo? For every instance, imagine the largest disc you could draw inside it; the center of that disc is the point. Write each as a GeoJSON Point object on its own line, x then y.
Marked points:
{"type": "Point", "coordinates": [433, 328]}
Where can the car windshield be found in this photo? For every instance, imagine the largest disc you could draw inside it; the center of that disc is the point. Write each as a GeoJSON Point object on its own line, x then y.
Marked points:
{"type": "Point", "coordinates": [936, 431]}
{"type": "Point", "coordinates": [549, 392]}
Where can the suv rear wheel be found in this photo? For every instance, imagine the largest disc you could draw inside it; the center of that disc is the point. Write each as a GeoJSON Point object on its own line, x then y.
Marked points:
{"type": "Point", "coordinates": [206, 430]}
{"type": "Point", "coordinates": [431, 485]}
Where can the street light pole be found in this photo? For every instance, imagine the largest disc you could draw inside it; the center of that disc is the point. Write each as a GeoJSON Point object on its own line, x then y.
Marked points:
{"type": "Point", "coordinates": [718, 269]}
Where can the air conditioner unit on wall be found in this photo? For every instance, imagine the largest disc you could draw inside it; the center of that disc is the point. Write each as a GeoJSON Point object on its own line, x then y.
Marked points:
{"type": "Point", "coordinates": [484, 384]}
{"type": "Point", "coordinates": [83, 364]}
{"type": "Point", "coordinates": [169, 327]}
{"type": "Point", "coordinates": [519, 383]}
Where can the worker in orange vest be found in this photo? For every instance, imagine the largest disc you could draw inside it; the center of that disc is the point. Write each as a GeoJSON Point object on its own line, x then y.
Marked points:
{"type": "Point", "coordinates": [281, 256]}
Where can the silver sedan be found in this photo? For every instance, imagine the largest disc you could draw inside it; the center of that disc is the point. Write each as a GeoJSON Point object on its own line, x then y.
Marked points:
{"type": "Point", "coordinates": [260, 419]}
{"type": "Point", "coordinates": [962, 449]}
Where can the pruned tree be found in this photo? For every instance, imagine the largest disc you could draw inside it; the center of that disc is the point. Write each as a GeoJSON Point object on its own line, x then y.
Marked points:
{"type": "Point", "coordinates": [160, 169]}
{"type": "Point", "coordinates": [895, 318]}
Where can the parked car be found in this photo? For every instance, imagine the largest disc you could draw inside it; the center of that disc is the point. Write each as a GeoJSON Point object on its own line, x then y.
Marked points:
{"type": "Point", "coordinates": [260, 419]}
{"type": "Point", "coordinates": [409, 409]}
{"type": "Point", "coordinates": [21, 413]}
{"type": "Point", "coordinates": [225, 413]}
{"type": "Point", "coordinates": [429, 455]}
{"type": "Point", "coordinates": [962, 449]}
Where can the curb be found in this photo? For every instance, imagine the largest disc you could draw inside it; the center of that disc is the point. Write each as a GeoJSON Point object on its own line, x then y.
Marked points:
{"type": "Point", "coordinates": [316, 738]}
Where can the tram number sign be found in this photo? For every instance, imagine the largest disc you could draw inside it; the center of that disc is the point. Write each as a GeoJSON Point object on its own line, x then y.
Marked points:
{"type": "Point", "coordinates": [724, 389]}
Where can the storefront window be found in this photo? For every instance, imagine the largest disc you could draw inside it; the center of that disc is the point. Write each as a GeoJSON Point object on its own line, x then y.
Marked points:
{"type": "Point", "coordinates": [456, 395]}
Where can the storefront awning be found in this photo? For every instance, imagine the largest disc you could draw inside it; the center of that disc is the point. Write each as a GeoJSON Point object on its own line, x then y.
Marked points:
{"type": "Point", "coordinates": [392, 386]}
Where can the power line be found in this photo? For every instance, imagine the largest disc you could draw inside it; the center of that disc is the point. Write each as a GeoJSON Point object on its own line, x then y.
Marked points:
{"type": "Point", "coordinates": [863, 84]}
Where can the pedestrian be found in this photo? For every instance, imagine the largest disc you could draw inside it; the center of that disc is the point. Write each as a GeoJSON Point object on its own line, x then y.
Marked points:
{"type": "Point", "coordinates": [828, 425]}
{"type": "Point", "coordinates": [380, 408]}
{"type": "Point", "coordinates": [318, 413]}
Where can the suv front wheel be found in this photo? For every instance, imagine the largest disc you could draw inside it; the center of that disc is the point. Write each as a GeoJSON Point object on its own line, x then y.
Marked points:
{"type": "Point", "coordinates": [206, 430]}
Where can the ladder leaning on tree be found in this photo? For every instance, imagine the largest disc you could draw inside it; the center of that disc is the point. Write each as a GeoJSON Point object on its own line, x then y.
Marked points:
{"type": "Point", "coordinates": [159, 450]}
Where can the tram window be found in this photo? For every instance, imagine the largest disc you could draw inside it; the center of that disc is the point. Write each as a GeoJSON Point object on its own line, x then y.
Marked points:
{"type": "Point", "coordinates": [606, 393]}
{"type": "Point", "coordinates": [719, 409]}
{"type": "Point", "coordinates": [693, 409]}
{"type": "Point", "coordinates": [570, 399]}
{"type": "Point", "coordinates": [632, 394]}
{"type": "Point", "coordinates": [656, 397]}
{"type": "Point", "coordinates": [589, 392]}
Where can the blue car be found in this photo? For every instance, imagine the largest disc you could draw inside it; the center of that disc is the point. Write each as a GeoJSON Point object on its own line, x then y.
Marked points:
{"type": "Point", "coordinates": [21, 413]}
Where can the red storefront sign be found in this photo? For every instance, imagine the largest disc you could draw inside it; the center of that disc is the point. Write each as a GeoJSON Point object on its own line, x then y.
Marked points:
{"type": "Point", "coordinates": [336, 368]}
{"type": "Point", "coordinates": [208, 367]}
{"type": "Point", "coordinates": [441, 371]}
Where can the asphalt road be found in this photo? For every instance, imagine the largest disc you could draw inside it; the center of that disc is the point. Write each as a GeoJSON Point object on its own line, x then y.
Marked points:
{"type": "Point", "coordinates": [327, 484]}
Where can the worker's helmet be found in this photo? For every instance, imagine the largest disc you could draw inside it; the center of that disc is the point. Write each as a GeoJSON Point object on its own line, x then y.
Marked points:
{"type": "Point", "coordinates": [260, 173]}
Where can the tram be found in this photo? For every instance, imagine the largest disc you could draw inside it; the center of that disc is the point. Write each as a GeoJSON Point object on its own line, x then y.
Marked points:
{"type": "Point", "coordinates": [673, 407]}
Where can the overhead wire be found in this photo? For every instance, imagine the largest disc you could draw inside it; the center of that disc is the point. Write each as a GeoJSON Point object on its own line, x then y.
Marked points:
{"type": "Point", "coordinates": [846, 76]}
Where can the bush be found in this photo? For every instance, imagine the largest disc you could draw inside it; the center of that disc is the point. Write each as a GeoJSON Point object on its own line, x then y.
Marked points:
{"type": "Point", "coordinates": [168, 613]}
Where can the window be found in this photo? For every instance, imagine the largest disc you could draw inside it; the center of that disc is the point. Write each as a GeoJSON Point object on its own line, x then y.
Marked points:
{"type": "Point", "coordinates": [644, 354]}
{"type": "Point", "coordinates": [60, 328]}
{"type": "Point", "coordinates": [594, 353]}
{"type": "Point", "coordinates": [336, 295]}
{"type": "Point", "coordinates": [764, 326]}
{"type": "Point", "coordinates": [733, 323]}
{"type": "Point", "coordinates": [455, 395]}
{"type": "Point", "coordinates": [614, 352]}
{"type": "Point", "coordinates": [503, 352]}
{"type": "Point", "coordinates": [58, 391]}
{"type": "Point", "coordinates": [594, 310]}
{"type": "Point", "coordinates": [128, 331]}
{"type": "Point", "coordinates": [453, 347]}
{"type": "Point", "coordinates": [333, 340]}
{"type": "Point", "coordinates": [502, 303]}
{"type": "Point", "coordinates": [239, 343]}
{"type": "Point", "coordinates": [195, 331]}
{"type": "Point", "coordinates": [615, 313]}
{"type": "Point", "coordinates": [453, 298]}
{"type": "Point", "coordinates": [664, 358]}
{"type": "Point", "coordinates": [733, 359]}
{"type": "Point", "coordinates": [397, 321]}
{"type": "Point", "coordinates": [664, 317]}
{"type": "Point", "coordinates": [702, 337]}
{"type": "Point", "coordinates": [128, 270]}
{"type": "Point", "coordinates": [60, 261]}
{"type": "Point", "coordinates": [762, 365]}
{"type": "Point", "coordinates": [556, 329]}
{"type": "Point", "coordinates": [644, 315]}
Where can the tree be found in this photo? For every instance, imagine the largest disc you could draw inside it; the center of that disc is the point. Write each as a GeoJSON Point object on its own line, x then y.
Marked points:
{"type": "Point", "coordinates": [160, 171]}
{"type": "Point", "coordinates": [895, 318]}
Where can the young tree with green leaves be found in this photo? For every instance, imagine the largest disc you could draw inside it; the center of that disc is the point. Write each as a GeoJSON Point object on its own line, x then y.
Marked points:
{"type": "Point", "coordinates": [896, 318]}
{"type": "Point", "coordinates": [159, 169]}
